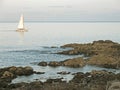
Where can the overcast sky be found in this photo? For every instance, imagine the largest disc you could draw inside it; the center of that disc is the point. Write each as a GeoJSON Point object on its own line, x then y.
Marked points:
{"type": "Point", "coordinates": [60, 10]}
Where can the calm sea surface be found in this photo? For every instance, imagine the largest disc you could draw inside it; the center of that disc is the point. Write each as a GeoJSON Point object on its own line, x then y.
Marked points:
{"type": "Point", "coordinates": [29, 48]}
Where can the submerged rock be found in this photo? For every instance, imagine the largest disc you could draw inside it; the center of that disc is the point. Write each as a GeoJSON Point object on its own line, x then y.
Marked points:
{"type": "Point", "coordinates": [63, 72]}
{"type": "Point", "coordinates": [39, 72]}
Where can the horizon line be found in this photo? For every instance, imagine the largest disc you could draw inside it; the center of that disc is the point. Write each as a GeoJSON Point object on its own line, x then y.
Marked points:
{"type": "Point", "coordinates": [56, 21]}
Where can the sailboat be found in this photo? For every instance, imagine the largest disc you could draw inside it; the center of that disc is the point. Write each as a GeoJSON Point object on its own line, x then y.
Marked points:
{"type": "Point", "coordinates": [21, 27]}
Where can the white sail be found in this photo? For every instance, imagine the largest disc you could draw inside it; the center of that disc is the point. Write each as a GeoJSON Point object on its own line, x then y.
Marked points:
{"type": "Point", "coordinates": [21, 23]}
{"type": "Point", "coordinates": [21, 27]}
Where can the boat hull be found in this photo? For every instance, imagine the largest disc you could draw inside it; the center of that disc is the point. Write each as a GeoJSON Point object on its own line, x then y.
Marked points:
{"type": "Point", "coordinates": [21, 30]}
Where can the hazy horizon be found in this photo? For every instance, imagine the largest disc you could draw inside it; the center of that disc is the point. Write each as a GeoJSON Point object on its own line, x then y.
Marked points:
{"type": "Point", "coordinates": [60, 10]}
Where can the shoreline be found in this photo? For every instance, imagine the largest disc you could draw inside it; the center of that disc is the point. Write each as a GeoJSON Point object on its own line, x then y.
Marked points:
{"type": "Point", "coordinates": [86, 81]}
{"type": "Point", "coordinates": [104, 54]}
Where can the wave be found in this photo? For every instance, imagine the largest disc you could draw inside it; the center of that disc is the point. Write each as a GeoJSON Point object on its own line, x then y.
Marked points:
{"type": "Point", "coordinates": [32, 51]}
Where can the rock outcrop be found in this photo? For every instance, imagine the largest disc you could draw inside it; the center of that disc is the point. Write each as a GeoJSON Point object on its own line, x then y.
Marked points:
{"type": "Point", "coordinates": [106, 61]}
{"type": "Point", "coordinates": [94, 80]}
{"type": "Point", "coordinates": [7, 74]}
{"type": "Point", "coordinates": [75, 62]}
{"type": "Point", "coordinates": [102, 53]}
{"type": "Point", "coordinates": [95, 48]}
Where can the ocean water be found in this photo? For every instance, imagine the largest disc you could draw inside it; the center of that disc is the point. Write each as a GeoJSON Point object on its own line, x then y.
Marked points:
{"type": "Point", "coordinates": [34, 46]}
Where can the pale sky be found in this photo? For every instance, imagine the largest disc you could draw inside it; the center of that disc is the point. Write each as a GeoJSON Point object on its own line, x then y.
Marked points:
{"type": "Point", "coordinates": [60, 10]}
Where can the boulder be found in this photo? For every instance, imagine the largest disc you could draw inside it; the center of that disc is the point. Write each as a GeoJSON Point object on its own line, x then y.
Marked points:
{"type": "Point", "coordinates": [28, 70]}
{"type": "Point", "coordinates": [19, 71]}
{"type": "Point", "coordinates": [42, 63]}
{"type": "Point", "coordinates": [7, 74]}
{"type": "Point", "coordinates": [75, 62]}
{"type": "Point", "coordinates": [12, 69]}
{"type": "Point", "coordinates": [54, 63]}
{"type": "Point", "coordinates": [24, 71]}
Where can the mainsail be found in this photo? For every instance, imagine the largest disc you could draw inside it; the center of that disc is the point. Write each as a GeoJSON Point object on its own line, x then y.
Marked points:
{"type": "Point", "coordinates": [21, 23]}
{"type": "Point", "coordinates": [21, 27]}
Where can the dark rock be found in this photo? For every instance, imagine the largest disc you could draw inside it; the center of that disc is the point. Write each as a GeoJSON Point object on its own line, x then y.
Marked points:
{"type": "Point", "coordinates": [54, 63]}
{"type": "Point", "coordinates": [19, 71]}
{"type": "Point", "coordinates": [53, 80]}
{"type": "Point", "coordinates": [63, 72]}
{"type": "Point", "coordinates": [12, 69]}
{"type": "Point", "coordinates": [42, 63]}
{"type": "Point", "coordinates": [24, 71]}
{"type": "Point", "coordinates": [28, 70]}
{"type": "Point", "coordinates": [39, 72]}
{"type": "Point", "coordinates": [54, 47]}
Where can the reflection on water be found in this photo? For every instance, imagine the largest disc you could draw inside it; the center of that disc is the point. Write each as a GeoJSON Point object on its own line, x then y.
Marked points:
{"type": "Point", "coordinates": [21, 38]}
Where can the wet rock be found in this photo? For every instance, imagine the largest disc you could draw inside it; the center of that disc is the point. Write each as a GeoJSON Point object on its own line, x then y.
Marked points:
{"type": "Point", "coordinates": [54, 63]}
{"type": "Point", "coordinates": [3, 84]}
{"type": "Point", "coordinates": [24, 71]}
{"type": "Point", "coordinates": [18, 86]}
{"type": "Point", "coordinates": [39, 72]}
{"type": "Point", "coordinates": [63, 72]}
{"type": "Point", "coordinates": [42, 63]}
{"type": "Point", "coordinates": [9, 73]}
{"type": "Point", "coordinates": [53, 80]}
{"type": "Point", "coordinates": [19, 71]}
{"type": "Point", "coordinates": [54, 47]}
{"type": "Point", "coordinates": [70, 52]}
{"type": "Point", "coordinates": [28, 70]}
{"type": "Point", "coordinates": [78, 76]}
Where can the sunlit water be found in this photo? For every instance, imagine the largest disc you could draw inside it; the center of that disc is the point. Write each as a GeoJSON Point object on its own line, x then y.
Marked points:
{"type": "Point", "coordinates": [32, 47]}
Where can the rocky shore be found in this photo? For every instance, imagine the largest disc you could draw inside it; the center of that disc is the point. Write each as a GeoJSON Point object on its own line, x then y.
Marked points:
{"type": "Point", "coordinates": [94, 80]}
{"type": "Point", "coordinates": [101, 53]}
{"type": "Point", "coordinates": [76, 62]}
